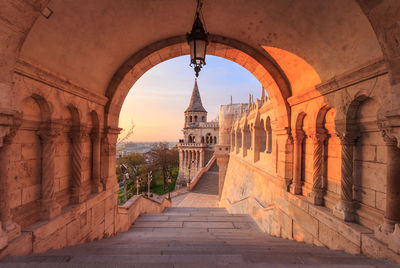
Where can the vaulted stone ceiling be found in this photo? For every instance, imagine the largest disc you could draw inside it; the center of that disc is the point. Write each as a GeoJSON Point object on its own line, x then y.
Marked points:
{"type": "Point", "coordinates": [86, 41]}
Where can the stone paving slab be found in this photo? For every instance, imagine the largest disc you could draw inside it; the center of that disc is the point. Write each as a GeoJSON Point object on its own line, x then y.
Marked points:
{"type": "Point", "coordinates": [209, 224]}
{"type": "Point", "coordinates": [167, 224]}
{"type": "Point", "coordinates": [181, 237]}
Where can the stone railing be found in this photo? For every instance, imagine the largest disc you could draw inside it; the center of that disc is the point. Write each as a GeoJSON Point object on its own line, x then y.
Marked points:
{"type": "Point", "coordinates": [209, 124]}
{"type": "Point", "coordinates": [201, 172]}
{"type": "Point", "coordinates": [134, 207]}
{"type": "Point", "coordinates": [191, 144]}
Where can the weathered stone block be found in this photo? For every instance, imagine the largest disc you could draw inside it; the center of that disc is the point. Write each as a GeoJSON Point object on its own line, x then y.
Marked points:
{"type": "Point", "coordinates": [299, 234]}
{"type": "Point", "coordinates": [334, 240]}
{"type": "Point", "coordinates": [73, 232]}
{"type": "Point", "coordinates": [31, 193]}
{"type": "Point", "coordinates": [53, 240]}
{"type": "Point", "coordinates": [30, 151]}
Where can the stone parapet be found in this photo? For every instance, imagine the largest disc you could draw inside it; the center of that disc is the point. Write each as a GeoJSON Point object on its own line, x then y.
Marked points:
{"type": "Point", "coordinates": [290, 216]}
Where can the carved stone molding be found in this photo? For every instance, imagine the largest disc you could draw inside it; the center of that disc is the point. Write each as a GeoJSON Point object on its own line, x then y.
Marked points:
{"type": "Point", "coordinates": [390, 127]}
{"type": "Point", "coordinates": [78, 133]}
{"type": "Point", "coordinates": [49, 131]}
{"type": "Point", "coordinates": [9, 124]}
{"type": "Point", "coordinates": [316, 195]}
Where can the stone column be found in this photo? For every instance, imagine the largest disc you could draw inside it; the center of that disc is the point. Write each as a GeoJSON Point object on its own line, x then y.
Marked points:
{"type": "Point", "coordinates": [295, 187]}
{"type": "Point", "coordinates": [49, 208]}
{"type": "Point", "coordinates": [10, 228]}
{"type": "Point", "coordinates": [392, 212]}
{"type": "Point", "coordinates": [244, 150]}
{"type": "Point", "coordinates": [97, 186]}
{"type": "Point", "coordinates": [345, 208]}
{"type": "Point", "coordinates": [222, 158]}
{"type": "Point", "coordinates": [77, 135]}
{"type": "Point", "coordinates": [317, 192]}
{"type": "Point", "coordinates": [202, 154]}
{"type": "Point", "coordinates": [108, 158]}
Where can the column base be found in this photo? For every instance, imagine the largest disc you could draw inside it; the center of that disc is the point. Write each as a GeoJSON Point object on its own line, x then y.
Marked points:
{"type": "Point", "coordinates": [344, 210]}
{"type": "Point", "coordinates": [3, 238]}
{"type": "Point", "coordinates": [78, 196]}
{"type": "Point", "coordinates": [295, 189]}
{"type": "Point", "coordinates": [49, 209]}
{"type": "Point", "coordinates": [316, 197]}
{"type": "Point", "coordinates": [97, 188]}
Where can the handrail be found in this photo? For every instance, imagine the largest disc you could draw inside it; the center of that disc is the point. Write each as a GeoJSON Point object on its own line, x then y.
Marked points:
{"type": "Point", "coordinates": [196, 178]}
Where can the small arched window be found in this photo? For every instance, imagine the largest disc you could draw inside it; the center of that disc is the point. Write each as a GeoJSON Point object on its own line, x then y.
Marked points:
{"type": "Point", "coordinates": [203, 118]}
{"type": "Point", "coordinates": [190, 119]}
{"type": "Point", "coordinates": [195, 118]}
{"type": "Point", "coordinates": [202, 139]}
{"type": "Point", "coordinates": [209, 139]}
{"type": "Point", "coordinates": [215, 140]}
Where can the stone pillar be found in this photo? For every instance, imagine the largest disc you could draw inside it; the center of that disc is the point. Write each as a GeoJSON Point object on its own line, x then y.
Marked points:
{"type": "Point", "coordinates": [97, 186]}
{"type": "Point", "coordinates": [202, 155]}
{"type": "Point", "coordinates": [317, 193]}
{"type": "Point", "coordinates": [198, 159]}
{"type": "Point", "coordinates": [10, 229]}
{"type": "Point", "coordinates": [222, 158]}
{"type": "Point", "coordinates": [49, 208]}
{"type": "Point", "coordinates": [244, 150]}
{"type": "Point", "coordinates": [345, 208]}
{"type": "Point", "coordinates": [108, 158]}
{"type": "Point", "coordinates": [77, 135]}
{"type": "Point", "coordinates": [392, 213]}
{"type": "Point", "coordinates": [295, 187]}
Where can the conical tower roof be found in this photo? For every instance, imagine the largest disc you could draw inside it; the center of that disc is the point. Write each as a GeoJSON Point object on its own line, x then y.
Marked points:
{"type": "Point", "coordinates": [195, 104]}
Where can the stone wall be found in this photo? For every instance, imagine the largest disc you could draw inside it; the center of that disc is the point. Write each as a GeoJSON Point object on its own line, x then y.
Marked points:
{"type": "Point", "coordinates": [331, 169]}
{"type": "Point", "coordinates": [249, 189]}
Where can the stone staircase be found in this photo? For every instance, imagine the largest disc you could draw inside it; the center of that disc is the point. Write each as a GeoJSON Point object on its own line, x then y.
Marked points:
{"type": "Point", "coordinates": [194, 237]}
{"type": "Point", "coordinates": [208, 183]}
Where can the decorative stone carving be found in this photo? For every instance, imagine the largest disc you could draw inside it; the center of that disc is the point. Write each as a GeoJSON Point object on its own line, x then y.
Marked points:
{"type": "Point", "coordinates": [97, 186]}
{"type": "Point", "coordinates": [9, 124]}
{"type": "Point", "coordinates": [295, 187]}
{"type": "Point", "coordinates": [108, 153]}
{"type": "Point", "coordinates": [387, 231]}
{"type": "Point", "coordinates": [49, 208]}
{"type": "Point", "coordinates": [77, 134]}
{"type": "Point", "coordinates": [316, 195]}
{"type": "Point", "coordinates": [345, 208]}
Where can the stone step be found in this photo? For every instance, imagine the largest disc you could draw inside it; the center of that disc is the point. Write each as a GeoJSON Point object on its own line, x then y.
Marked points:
{"type": "Point", "coordinates": [194, 237]}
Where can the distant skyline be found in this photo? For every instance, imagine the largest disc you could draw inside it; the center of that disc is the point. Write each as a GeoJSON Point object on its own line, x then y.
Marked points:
{"type": "Point", "coordinates": [157, 101]}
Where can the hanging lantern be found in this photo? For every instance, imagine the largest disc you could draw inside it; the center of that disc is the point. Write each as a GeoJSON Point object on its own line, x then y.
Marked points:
{"type": "Point", "coordinates": [198, 41]}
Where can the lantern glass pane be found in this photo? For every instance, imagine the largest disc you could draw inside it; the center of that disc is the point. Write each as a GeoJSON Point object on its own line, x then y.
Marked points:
{"type": "Point", "coordinates": [192, 50]}
{"type": "Point", "coordinates": [200, 49]}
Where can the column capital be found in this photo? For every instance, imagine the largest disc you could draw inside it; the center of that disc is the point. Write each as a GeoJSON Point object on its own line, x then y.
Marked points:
{"type": "Point", "coordinates": [298, 136]}
{"type": "Point", "coordinates": [49, 131]}
{"type": "Point", "coordinates": [347, 138]}
{"type": "Point", "coordinates": [389, 124]}
{"type": "Point", "coordinates": [318, 137]}
{"type": "Point", "coordinates": [9, 124]}
{"type": "Point", "coordinates": [78, 133]}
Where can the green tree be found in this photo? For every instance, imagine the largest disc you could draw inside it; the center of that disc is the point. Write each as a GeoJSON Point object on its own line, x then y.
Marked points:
{"type": "Point", "coordinates": [135, 164]}
{"type": "Point", "coordinates": [164, 159]}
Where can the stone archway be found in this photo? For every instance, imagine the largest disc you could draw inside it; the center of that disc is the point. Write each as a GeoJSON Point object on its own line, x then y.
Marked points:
{"type": "Point", "coordinates": [261, 65]}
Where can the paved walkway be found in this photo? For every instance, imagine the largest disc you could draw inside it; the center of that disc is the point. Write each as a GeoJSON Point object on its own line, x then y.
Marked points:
{"type": "Point", "coordinates": [194, 237]}
{"type": "Point", "coordinates": [205, 193]}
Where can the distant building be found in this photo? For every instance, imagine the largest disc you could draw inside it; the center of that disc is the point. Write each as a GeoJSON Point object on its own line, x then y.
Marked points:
{"type": "Point", "coordinates": [199, 138]}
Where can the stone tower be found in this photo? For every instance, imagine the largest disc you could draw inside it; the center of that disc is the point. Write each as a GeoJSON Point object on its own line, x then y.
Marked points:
{"type": "Point", "coordinates": [195, 112]}
{"type": "Point", "coordinates": [199, 138]}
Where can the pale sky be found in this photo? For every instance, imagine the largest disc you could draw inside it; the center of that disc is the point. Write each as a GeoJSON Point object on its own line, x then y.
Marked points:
{"type": "Point", "coordinates": [156, 102]}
